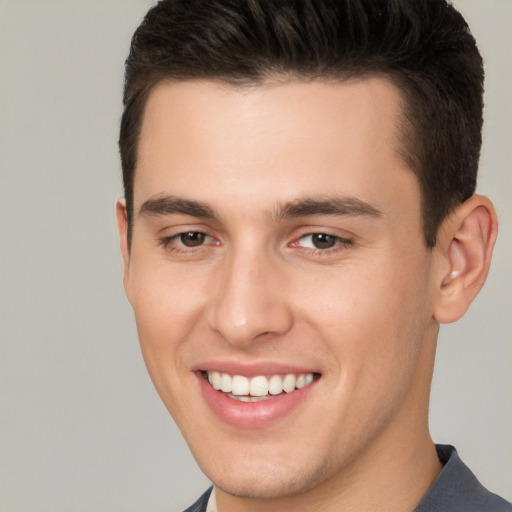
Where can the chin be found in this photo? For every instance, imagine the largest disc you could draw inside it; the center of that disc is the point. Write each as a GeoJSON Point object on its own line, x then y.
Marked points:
{"type": "Point", "coordinates": [263, 489]}
{"type": "Point", "coordinates": [266, 480]}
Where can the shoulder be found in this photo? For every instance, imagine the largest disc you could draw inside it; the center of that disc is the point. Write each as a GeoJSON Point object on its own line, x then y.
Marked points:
{"type": "Point", "coordinates": [201, 503]}
{"type": "Point", "coordinates": [458, 490]}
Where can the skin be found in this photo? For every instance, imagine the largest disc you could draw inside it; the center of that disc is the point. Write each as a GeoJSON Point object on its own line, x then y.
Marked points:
{"type": "Point", "coordinates": [363, 313]}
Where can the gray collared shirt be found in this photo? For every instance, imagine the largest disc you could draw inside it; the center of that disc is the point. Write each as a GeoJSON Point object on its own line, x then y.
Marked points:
{"type": "Point", "coordinates": [457, 489]}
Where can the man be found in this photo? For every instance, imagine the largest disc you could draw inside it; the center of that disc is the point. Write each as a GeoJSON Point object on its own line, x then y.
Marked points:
{"type": "Point", "coordinates": [299, 218]}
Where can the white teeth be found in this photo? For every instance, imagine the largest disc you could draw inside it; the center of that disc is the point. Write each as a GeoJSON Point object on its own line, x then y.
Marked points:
{"type": "Point", "coordinates": [301, 381]}
{"type": "Point", "coordinates": [225, 383]}
{"type": "Point", "coordinates": [249, 398]}
{"type": "Point", "coordinates": [275, 385]}
{"type": "Point", "coordinates": [257, 388]}
{"type": "Point", "coordinates": [240, 385]}
{"type": "Point", "coordinates": [289, 383]}
{"type": "Point", "coordinates": [215, 380]}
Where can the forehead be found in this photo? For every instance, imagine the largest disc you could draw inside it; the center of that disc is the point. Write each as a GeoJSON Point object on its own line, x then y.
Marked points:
{"type": "Point", "coordinates": [275, 140]}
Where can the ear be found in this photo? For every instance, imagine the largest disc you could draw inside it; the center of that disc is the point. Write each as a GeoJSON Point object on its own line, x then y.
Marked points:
{"type": "Point", "coordinates": [122, 226]}
{"type": "Point", "coordinates": [465, 244]}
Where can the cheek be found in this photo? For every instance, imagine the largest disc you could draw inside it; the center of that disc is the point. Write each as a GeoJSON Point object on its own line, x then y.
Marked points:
{"type": "Point", "coordinates": [372, 315]}
{"type": "Point", "coordinates": [373, 325]}
{"type": "Point", "coordinates": [168, 306]}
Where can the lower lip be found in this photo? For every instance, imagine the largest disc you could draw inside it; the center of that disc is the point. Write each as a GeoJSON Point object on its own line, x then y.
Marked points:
{"type": "Point", "coordinates": [252, 415]}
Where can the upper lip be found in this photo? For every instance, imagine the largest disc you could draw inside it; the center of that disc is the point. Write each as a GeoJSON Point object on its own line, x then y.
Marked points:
{"type": "Point", "coordinates": [252, 369]}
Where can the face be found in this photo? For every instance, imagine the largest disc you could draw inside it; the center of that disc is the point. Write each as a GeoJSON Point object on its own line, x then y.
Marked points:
{"type": "Point", "coordinates": [280, 279]}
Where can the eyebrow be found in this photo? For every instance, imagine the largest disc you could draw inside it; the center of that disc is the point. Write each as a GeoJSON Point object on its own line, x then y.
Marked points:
{"type": "Point", "coordinates": [167, 205]}
{"type": "Point", "coordinates": [345, 206]}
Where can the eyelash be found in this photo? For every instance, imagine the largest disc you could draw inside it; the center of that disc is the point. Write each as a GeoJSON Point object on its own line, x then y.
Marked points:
{"type": "Point", "coordinates": [167, 243]}
{"type": "Point", "coordinates": [340, 243]}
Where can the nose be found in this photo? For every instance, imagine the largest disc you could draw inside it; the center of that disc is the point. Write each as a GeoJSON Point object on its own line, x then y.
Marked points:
{"type": "Point", "coordinates": [250, 302]}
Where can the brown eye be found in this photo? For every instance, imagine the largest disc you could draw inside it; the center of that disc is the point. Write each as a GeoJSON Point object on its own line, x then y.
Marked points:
{"type": "Point", "coordinates": [192, 238]}
{"type": "Point", "coordinates": [323, 241]}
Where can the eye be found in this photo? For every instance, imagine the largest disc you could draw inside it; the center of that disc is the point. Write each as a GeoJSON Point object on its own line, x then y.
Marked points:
{"type": "Point", "coordinates": [192, 238]}
{"type": "Point", "coordinates": [186, 240]}
{"type": "Point", "coordinates": [321, 241]}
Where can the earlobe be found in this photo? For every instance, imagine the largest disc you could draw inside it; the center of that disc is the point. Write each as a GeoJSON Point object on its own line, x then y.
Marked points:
{"type": "Point", "coordinates": [466, 241]}
{"type": "Point", "coordinates": [122, 226]}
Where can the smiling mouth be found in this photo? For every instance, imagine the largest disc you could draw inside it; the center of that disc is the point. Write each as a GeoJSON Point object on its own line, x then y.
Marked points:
{"type": "Point", "coordinates": [259, 388]}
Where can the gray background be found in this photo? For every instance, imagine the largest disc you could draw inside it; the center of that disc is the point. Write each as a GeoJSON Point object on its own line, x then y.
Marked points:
{"type": "Point", "coordinates": [81, 428]}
